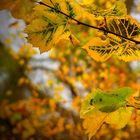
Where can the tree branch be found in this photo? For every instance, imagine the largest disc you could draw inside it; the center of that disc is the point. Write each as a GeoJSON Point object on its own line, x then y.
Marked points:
{"type": "Point", "coordinates": [91, 26]}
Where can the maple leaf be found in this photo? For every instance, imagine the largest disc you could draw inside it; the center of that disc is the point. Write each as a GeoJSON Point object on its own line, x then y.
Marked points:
{"type": "Point", "coordinates": [103, 47]}
{"type": "Point", "coordinates": [100, 107]}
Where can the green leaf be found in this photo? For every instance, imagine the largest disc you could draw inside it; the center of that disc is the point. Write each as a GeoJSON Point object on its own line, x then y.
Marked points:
{"type": "Point", "coordinates": [106, 101]}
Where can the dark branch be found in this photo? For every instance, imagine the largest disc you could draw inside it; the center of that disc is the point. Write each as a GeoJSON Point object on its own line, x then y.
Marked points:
{"type": "Point", "coordinates": [91, 26]}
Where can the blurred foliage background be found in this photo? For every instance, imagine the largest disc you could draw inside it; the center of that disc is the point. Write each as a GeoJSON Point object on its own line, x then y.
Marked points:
{"type": "Point", "coordinates": [40, 94]}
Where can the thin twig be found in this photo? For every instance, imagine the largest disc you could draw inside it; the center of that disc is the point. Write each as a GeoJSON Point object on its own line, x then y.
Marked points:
{"type": "Point", "coordinates": [91, 26]}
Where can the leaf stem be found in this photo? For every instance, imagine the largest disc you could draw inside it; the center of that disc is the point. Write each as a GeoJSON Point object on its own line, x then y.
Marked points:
{"type": "Point", "coordinates": [88, 25]}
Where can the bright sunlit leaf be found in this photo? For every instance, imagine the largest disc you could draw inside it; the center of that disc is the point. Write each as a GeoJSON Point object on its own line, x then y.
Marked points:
{"type": "Point", "coordinates": [48, 26]}
{"type": "Point", "coordinates": [118, 10]}
{"type": "Point", "coordinates": [119, 118]}
{"type": "Point", "coordinates": [124, 49]}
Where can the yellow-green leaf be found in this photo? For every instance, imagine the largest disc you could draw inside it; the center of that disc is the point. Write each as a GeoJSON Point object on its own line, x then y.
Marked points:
{"type": "Point", "coordinates": [48, 26]}
{"type": "Point", "coordinates": [105, 101]}
{"type": "Point", "coordinates": [101, 107]}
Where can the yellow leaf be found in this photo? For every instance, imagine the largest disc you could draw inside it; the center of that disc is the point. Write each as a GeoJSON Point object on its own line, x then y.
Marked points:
{"type": "Point", "coordinates": [19, 8]}
{"type": "Point", "coordinates": [48, 26]}
{"type": "Point", "coordinates": [86, 108]}
{"type": "Point", "coordinates": [123, 48]}
{"type": "Point", "coordinates": [87, 2]}
{"type": "Point", "coordinates": [94, 116]}
{"type": "Point", "coordinates": [93, 122]}
{"type": "Point", "coordinates": [74, 40]}
{"type": "Point", "coordinates": [116, 10]}
{"type": "Point", "coordinates": [98, 49]}
{"type": "Point", "coordinates": [120, 117]}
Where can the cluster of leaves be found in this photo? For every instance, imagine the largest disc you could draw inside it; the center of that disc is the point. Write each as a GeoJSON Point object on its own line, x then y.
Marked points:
{"type": "Point", "coordinates": [119, 32]}
{"type": "Point", "coordinates": [15, 66]}
{"type": "Point", "coordinates": [26, 118]}
{"type": "Point", "coordinates": [51, 20]}
{"type": "Point", "coordinates": [77, 68]}
{"type": "Point", "coordinates": [51, 24]}
{"type": "Point", "coordinates": [37, 118]}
